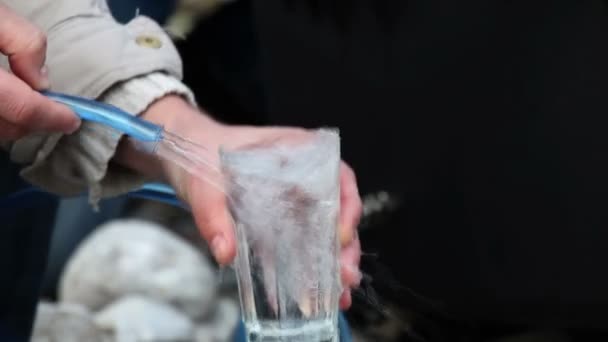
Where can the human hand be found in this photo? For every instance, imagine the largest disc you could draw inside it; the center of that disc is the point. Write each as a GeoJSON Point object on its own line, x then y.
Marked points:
{"type": "Point", "coordinates": [208, 204]}
{"type": "Point", "coordinates": [213, 219]}
{"type": "Point", "coordinates": [210, 211]}
{"type": "Point", "coordinates": [22, 108]}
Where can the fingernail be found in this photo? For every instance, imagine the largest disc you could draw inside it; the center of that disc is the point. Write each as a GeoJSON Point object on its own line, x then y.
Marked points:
{"type": "Point", "coordinates": [347, 292]}
{"type": "Point", "coordinates": [345, 299]}
{"type": "Point", "coordinates": [218, 247]}
{"type": "Point", "coordinates": [355, 273]}
{"type": "Point", "coordinates": [44, 78]}
{"type": "Point", "coordinates": [74, 127]}
{"type": "Point", "coordinates": [346, 235]}
{"type": "Point", "coordinates": [305, 306]}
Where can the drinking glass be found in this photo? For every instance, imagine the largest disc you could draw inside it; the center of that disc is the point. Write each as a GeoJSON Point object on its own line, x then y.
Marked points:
{"type": "Point", "coordinates": [284, 198]}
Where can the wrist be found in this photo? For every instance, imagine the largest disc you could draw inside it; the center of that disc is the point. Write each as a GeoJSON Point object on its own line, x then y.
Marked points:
{"type": "Point", "coordinates": [147, 96]}
{"type": "Point", "coordinates": [178, 117]}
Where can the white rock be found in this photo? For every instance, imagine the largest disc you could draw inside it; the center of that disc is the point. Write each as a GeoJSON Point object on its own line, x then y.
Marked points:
{"type": "Point", "coordinates": [128, 257]}
{"type": "Point", "coordinates": [64, 323]}
{"type": "Point", "coordinates": [221, 327]}
{"type": "Point", "coordinates": [139, 319]}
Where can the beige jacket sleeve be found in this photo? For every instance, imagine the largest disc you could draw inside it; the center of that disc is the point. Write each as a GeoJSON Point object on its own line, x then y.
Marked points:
{"type": "Point", "coordinates": [91, 55]}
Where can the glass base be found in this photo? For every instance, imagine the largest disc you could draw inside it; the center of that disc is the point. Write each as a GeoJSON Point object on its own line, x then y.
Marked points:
{"type": "Point", "coordinates": [297, 331]}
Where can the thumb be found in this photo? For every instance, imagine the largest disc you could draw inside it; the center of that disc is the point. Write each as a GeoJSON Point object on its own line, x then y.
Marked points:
{"type": "Point", "coordinates": [25, 46]}
{"type": "Point", "coordinates": [210, 211]}
{"type": "Point", "coordinates": [28, 109]}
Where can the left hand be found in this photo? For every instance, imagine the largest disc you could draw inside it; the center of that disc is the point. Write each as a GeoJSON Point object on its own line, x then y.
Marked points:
{"type": "Point", "coordinates": [209, 204]}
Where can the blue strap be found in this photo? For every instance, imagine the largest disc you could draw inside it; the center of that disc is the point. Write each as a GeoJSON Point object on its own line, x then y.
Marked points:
{"type": "Point", "coordinates": [32, 197]}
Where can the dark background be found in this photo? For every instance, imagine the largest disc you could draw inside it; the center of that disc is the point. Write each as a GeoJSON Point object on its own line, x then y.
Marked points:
{"type": "Point", "coordinates": [486, 118]}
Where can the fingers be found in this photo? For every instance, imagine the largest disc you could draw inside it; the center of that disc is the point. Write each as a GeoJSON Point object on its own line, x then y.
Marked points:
{"type": "Point", "coordinates": [349, 271]}
{"type": "Point", "coordinates": [32, 112]}
{"type": "Point", "coordinates": [46, 115]}
{"type": "Point", "coordinates": [10, 132]}
{"type": "Point", "coordinates": [211, 215]}
{"type": "Point", "coordinates": [350, 204]}
{"type": "Point", "coordinates": [345, 299]}
{"type": "Point", "coordinates": [25, 46]}
{"type": "Point", "coordinates": [349, 264]}
{"type": "Point", "coordinates": [23, 110]}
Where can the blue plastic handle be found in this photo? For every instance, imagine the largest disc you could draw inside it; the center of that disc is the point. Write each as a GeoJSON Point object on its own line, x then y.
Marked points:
{"type": "Point", "coordinates": [111, 116]}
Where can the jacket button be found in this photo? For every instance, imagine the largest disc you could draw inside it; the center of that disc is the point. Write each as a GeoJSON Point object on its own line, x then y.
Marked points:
{"type": "Point", "coordinates": [149, 42]}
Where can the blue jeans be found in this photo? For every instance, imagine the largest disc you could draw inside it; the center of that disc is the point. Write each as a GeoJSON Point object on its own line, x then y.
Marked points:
{"type": "Point", "coordinates": [24, 239]}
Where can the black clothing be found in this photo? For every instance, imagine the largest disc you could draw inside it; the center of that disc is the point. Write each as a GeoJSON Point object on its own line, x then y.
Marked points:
{"type": "Point", "coordinates": [487, 118]}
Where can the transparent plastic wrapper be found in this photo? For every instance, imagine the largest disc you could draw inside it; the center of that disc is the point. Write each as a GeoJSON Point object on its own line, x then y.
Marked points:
{"type": "Point", "coordinates": [284, 198]}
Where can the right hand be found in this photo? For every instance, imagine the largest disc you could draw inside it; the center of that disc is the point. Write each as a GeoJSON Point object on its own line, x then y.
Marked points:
{"type": "Point", "coordinates": [22, 108]}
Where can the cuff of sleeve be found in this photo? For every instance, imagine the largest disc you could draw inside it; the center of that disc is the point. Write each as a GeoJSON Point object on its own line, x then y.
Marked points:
{"type": "Point", "coordinates": [75, 163]}
{"type": "Point", "coordinates": [137, 94]}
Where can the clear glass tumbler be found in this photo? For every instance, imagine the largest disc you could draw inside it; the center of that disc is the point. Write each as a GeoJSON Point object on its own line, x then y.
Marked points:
{"type": "Point", "coordinates": [284, 197]}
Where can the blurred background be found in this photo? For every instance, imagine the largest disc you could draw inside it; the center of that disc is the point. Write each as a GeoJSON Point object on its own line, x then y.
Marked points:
{"type": "Point", "coordinates": [475, 129]}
